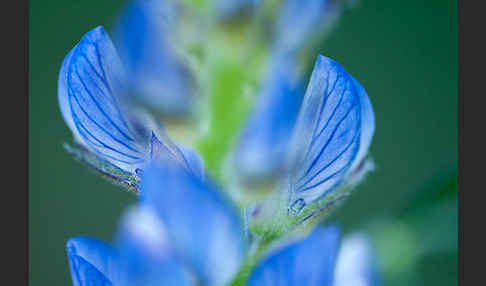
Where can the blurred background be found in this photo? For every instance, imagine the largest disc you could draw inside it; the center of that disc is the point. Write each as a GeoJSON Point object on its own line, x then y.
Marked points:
{"type": "Point", "coordinates": [403, 52]}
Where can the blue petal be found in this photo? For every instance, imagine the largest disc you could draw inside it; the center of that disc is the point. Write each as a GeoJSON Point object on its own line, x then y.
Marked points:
{"type": "Point", "coordinates": [262, 147]}
{"type": "Point", "coordinates": [159, 76]}
{"type": "Point", "coordinates": [164, 150]}
{"type": "Point", "coordinates": [356, 263]}
{"type": "Point", "coordinates": [298, 21]}
{"type": "Point", "coordinates": [328, 132]}
{"type": "Point", "coordinates": [202, 225]}
{"type": "Point", "coordinates": [91, 85]}
{"type": "Point", "coordinates": [84, 274]}
{"type": "Point", "coordinates": [308, 262]}
{"type": "Point", "coordinates": [146, 257]}
{"type": "Point", "coordinates": [91, 261]}
{"type": "Point", "coordinates": [90, 80]}
{"type": "Point", "coordinates": [193, 161]}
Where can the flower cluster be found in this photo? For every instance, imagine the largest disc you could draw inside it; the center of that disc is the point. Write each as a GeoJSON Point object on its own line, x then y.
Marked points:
{"type": "Point", "coordinates": [299, 153]}
{"type": "Point", "coordinates": [184, 232]}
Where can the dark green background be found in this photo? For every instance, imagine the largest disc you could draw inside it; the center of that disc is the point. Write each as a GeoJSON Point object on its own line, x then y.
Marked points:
{"type": "Point", "coordinates": [403, 52]}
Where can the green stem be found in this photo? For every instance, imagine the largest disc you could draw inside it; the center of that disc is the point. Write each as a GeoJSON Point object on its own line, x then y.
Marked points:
{"type": "Point", "coordinates": [250, 262]}
{"type": "Point", "coordinates": [231, 81]}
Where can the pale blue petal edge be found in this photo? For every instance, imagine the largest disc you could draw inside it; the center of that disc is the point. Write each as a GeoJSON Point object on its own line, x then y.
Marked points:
{"type": "Point", "coordinates": [367, 124]}
{"type": "Point", "coordinates": [309, 262]}
{"type": "Point", "coordinates": [63, 97]}
{"type": "Point", "coordinates": [204, 227]}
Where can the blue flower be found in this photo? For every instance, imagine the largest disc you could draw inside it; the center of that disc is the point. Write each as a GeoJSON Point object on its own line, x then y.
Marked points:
{"type": "Point", "coordinates": [329, 140]}
{"type": "Point", "coordinates": [165, 240]}
{"type": "Point", "coordinates": [328, 145]}
{"type": "Point", "coordinates": [91, 261]}
{"type": "Point", "coordinates": [90, 76]}
{"type": "Point", "coordinates": [262, 147]}
{"type": "Point", "coordinates": [332, 134]}
{"type": "Point", "coordinates": [91, 88]}
{"type": "Point", "coordinates": [201, 222]}
{"type": "Point", "coordinates": [161, 77]}
{"type": "Point", "coordinates": [184, 232]}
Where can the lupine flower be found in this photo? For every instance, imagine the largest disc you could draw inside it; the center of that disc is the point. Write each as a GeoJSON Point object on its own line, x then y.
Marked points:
{"type": "Point", "coordinates": [327, 152]}
{"type": "Point", "coordinates": [199, 242]}
{"type": "Point", "coordinates": [330, 140]}
{"type": "Point", "coordinates": [332, 134]}
{"type": "Point", "coordinates": [203, 235]}
{"type": "Point", "coordinates": [160, 76]}
{"type": "Point", "coordinates": [311, 146]}
{"type": "Point", "coordinates": [263, 144]}
{"type": "Point", "coordinates": [90, 91]}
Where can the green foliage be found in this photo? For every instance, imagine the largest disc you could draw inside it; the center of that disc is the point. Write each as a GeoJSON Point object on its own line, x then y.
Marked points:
{"type": "Point", "coordinates": [411, 242]}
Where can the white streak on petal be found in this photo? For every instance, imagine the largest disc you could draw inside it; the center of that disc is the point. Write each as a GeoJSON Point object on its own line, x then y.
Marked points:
{"type": "Point", "coordinates": [355, 262]}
